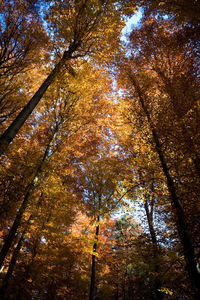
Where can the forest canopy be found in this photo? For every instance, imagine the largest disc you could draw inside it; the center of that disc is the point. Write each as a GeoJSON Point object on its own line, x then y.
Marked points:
{"type": "Point", "coordinates": [99, 150]}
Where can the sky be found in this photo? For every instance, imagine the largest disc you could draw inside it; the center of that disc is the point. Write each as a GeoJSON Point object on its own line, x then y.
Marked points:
{"type": "Point", "coordinates": [130, 24]}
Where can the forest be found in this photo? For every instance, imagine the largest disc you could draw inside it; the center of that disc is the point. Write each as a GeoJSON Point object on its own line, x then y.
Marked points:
{"type": "Point", "coordinates": [99, 149]}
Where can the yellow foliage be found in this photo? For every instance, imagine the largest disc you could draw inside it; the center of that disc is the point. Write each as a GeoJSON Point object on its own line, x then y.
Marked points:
{"type": "Point", "coordinates": [166, 291]}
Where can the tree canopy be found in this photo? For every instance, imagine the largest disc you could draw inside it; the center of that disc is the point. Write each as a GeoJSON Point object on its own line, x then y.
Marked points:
{"type": "Point", "coordinates": [99, 145]}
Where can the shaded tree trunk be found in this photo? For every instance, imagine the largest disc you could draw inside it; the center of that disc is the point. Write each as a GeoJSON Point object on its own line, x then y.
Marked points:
{"type": "Point", "coordinates": [17, 222]}
{"type": "Point", "coordinates": [149, 214]}
{"type": "Point", "coordinates": [182, 227]}
{"type": "Point", "coordinates": [15, 255]}
{"type": "Point", "coordinates": [12, 265]}
{"type": "Point", "coordinates": [93, 274]}
{"type": "Point", "coordinates": [124, 288]}
{"type": "Point", "coordinates": [13, 129]}
{"type": "Point", "coordinates": [35, 249]}
{"type": "Point", "coordinates": [117, 292]}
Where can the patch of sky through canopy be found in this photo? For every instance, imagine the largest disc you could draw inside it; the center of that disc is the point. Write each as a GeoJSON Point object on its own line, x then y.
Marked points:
{"type": "Point", "coordinates": [130, 24]}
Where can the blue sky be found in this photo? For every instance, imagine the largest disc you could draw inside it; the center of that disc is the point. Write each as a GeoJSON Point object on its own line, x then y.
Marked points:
{"type": "Point", "coordinates": [130, 24]}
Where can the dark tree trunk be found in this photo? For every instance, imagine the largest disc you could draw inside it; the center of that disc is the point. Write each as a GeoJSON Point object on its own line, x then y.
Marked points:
{"type": "Point", "coordinates": [117, 293]}
{"type": "Point", "coordinates": [11, 266]}
{"type": "Point", "coordinates": [182, 227]}
{"type": "Point", "coordinates": [26, 275]}
{"type": "Point", "coordinates": [17, 222]}
{"type": "Point", "coordinates": [93, 273]}
{"type": "Point", "coordinates": [149, 214]}
{"type": "Point", "coordinates": [124, 289]}
{"type": "Point", "coordinates": [13, 129]}
{"type": "Point", "coordinates": [15, 255]}
{"type": "Point", "coordinates": [157, 283]}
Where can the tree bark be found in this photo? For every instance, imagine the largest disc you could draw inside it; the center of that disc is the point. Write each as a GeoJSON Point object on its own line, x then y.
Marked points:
{"type": "Point", "coordinates": [15, 126]}
{"type": "Point", "coordinates": [150, 224]}
{"type": "Point", "coordinates": [92, 281]}
{"type": "Point", "coordinates": [14, 258]}
{"type": "Point", "coordinates": [157, 283]}
{"type": "Point", "coordinates": [17, 222]}
{"type": "Point", "coordinates": [182, 227]}
{"type": "Point", "coordinates": [15, 255]}
{"type": "Point", "coordinates": [34, 252]}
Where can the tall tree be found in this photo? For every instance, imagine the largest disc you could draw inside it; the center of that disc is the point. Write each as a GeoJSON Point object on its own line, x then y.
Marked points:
{"type": "Point", "coordinates": [100, 180]}
{"type": "Point", "coordinates": [78, 32]}
{"type": "Point", "coordinates": [182, 226]}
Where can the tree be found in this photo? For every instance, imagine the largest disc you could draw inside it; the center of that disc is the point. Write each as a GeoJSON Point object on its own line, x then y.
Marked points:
{"type": "Point", "coordinates": [67, 120]}
{"type": "Point", "coordinates": [182, 226]}
{"type": "Point", "coordinates": [166, 55]}
{"type": "Point", "coordinates": [113, 132]}
{"type": "Point", "coordinates": [86, 20]}
{"type": "Point", "coordinates": [99, 187]}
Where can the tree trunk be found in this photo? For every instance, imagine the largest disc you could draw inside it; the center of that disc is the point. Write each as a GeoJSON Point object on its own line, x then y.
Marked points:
{"type": "Point", "coordinates": [92, 281]}
{"type": "Point", "coordinates": [12, 265]}
{"type": "Point", "coordinates": [157, 283]}
{"type": "Point", "coordinates": [117, 293]}
{"type": "Point", "coordinates": [34, 251]}
{"type": "Point", "coordinates": [15, 255]}
{"type": "Point", "coordinates": [15, 126]}
{"type": "Point", "coordinates": [182, 227]}
{"type": "Point", "coordinates": [17, 222]}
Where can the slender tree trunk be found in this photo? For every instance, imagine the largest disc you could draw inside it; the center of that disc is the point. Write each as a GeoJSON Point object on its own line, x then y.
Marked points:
{"type": "Point", "coordinates": [9, 273]}
{"type": "Point", "coordinates": [13, 129]}
{"type": "Point", "coordinates": [28, 267]}
{"type": "Point", "coordinates": [92, 281]}
{"type": "Point", "coordinates": [117, 293]}
{"type": "Point", "coordinates": [17, 222]}
{"type": "Point", "coordinates": [15, 255]}
{"type": "Point", "coordinates": [124, 288]}
{"type": "Point", "coordinates": [18, 297]}
{"type": "Point", "coordinates": [157, 284]}
{"type": "Point", "coordinates": [151, 227]}
{"type": "Point", "coordinates": [182, 227]}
